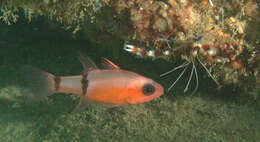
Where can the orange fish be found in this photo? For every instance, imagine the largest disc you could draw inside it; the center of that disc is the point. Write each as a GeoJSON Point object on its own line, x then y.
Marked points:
{"type": "Point", "coordinates": [110, 85]}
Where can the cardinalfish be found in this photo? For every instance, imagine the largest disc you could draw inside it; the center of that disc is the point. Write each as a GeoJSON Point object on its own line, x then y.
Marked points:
{"type": "Point", "coordinates": [110, 85]}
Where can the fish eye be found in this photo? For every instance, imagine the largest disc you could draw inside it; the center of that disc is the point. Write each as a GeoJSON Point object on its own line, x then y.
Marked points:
{"type": "Point", "coordinates": [148, 89]}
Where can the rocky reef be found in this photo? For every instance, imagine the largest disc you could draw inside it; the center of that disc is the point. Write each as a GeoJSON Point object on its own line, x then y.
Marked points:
{"type": "Point", "coordinates": [222, 37]}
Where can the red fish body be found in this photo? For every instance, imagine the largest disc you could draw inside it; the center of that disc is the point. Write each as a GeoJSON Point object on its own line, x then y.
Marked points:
{"type": "Point", "coordinates": [110, 85]}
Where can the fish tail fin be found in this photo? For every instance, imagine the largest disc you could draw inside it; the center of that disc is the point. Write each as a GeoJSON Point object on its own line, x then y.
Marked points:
{"type": "Point", "coordinates": [38, 84]}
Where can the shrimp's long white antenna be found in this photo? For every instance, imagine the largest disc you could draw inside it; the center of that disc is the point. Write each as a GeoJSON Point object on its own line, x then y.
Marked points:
{"type": "Point", "coordinates": [179, 76]}
{"type": "Point", "coordinates": [191, 74]}
{"type": "Point", "coordinates": [197, 81]}
{"type": "Point", "coordinates": [174, 69]}
{"type": "Point", "coordinates": [212, 77]}
{"type": "Point", "coordinates": [167, 42]}
{"type": "Point", "coordinates": [211, 3]}
{"type": "Point", "coordinates": [223, 18]}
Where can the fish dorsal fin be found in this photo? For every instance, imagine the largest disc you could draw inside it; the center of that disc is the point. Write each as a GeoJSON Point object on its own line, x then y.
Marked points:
{"type": "Point", "coordinates": [87, 63]}
{"type": "Point", "coordinates": [109, 65]}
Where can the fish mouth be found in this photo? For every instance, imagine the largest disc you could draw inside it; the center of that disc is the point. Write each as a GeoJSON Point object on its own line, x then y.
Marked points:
{"type": "Point", "coordinates": [160, 89]}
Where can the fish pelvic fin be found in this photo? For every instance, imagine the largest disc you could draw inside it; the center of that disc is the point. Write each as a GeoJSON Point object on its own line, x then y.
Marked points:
{"type": "Point", "coordinates": [87, 63]}
{"type": "Point", "coordinates": [82, 105]}
{"type": "Point", "coordinates": [39, 84]}
{"type": "Point", "coordinates": [83, 101]}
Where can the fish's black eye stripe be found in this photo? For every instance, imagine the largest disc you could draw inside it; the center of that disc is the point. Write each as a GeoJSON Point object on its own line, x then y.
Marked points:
{"type": "Point", "coordinates": [57, 81]}
{"type": "Point", "coordinates": [84, 84]}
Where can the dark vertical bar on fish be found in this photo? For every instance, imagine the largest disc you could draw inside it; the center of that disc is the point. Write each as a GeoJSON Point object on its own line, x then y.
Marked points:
{"type": "Point", "coordinates": [84, 84]}
{"type": "Point", "coordinates": [57, 81]}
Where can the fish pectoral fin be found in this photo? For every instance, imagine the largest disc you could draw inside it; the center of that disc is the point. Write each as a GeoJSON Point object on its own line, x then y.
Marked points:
{"type": "Point", "coordinates": [87, 63]}
{"type": "Point", "coordinates": [109, 65]}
